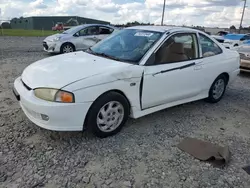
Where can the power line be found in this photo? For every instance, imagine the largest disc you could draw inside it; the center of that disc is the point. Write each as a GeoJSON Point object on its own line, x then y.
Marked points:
{"type": "Point", "coordinates": [163, 11]}
{"type": "Point", "coordinates": [242, 16]}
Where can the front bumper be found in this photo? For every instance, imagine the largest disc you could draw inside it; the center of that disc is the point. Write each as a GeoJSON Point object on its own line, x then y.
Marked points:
{"type": "Point", "coordinates": [60, 116]}
{"type": "Point", "coordinates": [245, 65]}
{"type": "Point", "coordinates": [52, 47]}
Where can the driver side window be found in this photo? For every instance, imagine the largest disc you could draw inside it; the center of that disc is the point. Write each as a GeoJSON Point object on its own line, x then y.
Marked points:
{"type": "Point", "coordinates": [179, 47]}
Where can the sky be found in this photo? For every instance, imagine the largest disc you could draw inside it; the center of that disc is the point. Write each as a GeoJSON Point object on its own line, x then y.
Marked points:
{"type": "Point", "coordinates": [210, 13]}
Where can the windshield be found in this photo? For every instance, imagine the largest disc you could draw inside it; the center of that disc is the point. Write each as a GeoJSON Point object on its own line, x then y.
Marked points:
{"type": "Point", "coordinates": [128, 45]}
{"type": "Point", "coordinates": [73, 30]}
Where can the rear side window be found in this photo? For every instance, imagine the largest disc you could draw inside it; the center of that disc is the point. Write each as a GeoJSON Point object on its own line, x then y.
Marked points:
{"type": "Point", "coordinates": [89, 31]}
{"type": "Point", "coordinates": [208, 47]}
{"type": "Point", "coordinates": [105, 31]}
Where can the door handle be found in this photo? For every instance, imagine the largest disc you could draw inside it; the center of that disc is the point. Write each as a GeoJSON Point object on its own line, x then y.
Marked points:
{"type": "Point", "coordinates": [197, 67]}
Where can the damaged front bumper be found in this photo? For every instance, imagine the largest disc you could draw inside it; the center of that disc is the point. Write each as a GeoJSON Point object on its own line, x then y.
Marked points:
{"type": "Point", "coordinates": [52, 47]}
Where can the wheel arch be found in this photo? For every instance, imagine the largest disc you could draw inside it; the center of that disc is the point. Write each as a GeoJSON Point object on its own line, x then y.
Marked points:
{"type": "Point", "coordinates": [226, 75]}
{"type": "Point", "coordinates": [112, 90]}
{"type": "Point", "coordinates": [67, 43]}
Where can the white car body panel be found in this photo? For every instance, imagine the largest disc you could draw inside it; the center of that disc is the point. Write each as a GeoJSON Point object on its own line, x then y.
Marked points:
{"type": "Point", "coordinates": [88, 76]}
{"type": "Point", "coordinates": [63, 117]}
{"type": "Point", "coordinates": [82, 64]}
{"type": "Point", "coordinates": [164, 88]}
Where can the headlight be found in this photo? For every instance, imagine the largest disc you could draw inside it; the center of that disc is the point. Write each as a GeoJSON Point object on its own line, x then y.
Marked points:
{"type": "Point", "coordinates": [54, 95]}
{"type": "Point", "coordinates": [57, 39]}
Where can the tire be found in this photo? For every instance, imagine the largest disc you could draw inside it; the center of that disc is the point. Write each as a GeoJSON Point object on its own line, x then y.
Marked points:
{"type": "Point", "coordinates": [215, 95]}
{"type": "Point", "coordinates": [236, 45]}
{"type": "Point", "coordinates": [67, 48]}
{"type": "Point", "coordinates": [105, 117]}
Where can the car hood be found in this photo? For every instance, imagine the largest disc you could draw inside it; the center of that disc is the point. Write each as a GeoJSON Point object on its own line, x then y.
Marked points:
{"type": "Point", "coordinates": [59, 71]}
{"type": "Point", "coordinates": [52, 37]}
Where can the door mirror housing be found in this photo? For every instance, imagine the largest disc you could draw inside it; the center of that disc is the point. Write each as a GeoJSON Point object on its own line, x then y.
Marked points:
{"type": "Point", "coordinates": [242, 39]}
{"type": "Point", "coordinates": [76, 34]}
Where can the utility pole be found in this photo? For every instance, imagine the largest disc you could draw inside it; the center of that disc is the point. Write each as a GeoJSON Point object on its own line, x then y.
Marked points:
{"type": "Point", "coordinates": [242, 16]}
{"type": "Point", "coordinates": [163, 11]}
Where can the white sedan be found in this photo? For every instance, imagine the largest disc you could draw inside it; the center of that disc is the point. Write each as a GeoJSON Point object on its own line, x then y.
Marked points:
{"type": "Point", "coordinates": [77, 38]}
{"type": "Point", "coordinates": [135, 72]}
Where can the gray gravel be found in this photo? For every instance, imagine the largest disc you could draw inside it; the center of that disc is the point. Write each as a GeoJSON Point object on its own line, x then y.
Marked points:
{"type": "Point", "coordinates": [144, 154]}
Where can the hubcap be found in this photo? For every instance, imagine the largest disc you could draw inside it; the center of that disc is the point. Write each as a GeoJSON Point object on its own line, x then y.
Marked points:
{"type": "Point", "coordinates": [67, 49]}
{"type": "Point", "coordinates": [110, 116]}
{"type": "Point", "coordinates": [218, 89]}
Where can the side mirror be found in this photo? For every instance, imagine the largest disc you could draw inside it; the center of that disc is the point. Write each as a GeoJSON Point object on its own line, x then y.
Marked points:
{"type": "Point", "coordinates": [77, 34]}
{"type": "Point", "coordinates": [242, 39]}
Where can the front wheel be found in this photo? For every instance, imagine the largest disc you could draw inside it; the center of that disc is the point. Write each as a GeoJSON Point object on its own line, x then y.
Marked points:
{"type": "Point", "coordinates": [67, 48]}
{"type": "Point", "coordinates": [217, 89]}
{"type": "Point", "coordinates": [108, 114]}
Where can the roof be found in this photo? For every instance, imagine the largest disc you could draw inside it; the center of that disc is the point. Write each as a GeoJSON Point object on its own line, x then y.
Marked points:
{"type": "Point", "coordinates": [161, 28]}
{"type": "Point", "coordinates": [100, 25]}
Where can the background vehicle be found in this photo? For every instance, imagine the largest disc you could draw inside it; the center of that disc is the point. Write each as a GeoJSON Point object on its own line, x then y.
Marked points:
{"type": "Point", "coordinates": [233, 40]}
{"type": "Point", "coordinates": [134, 72]}
{"type": "Point", "coordinates": [65, 26]}
{"type": "Point", "coordinates": [77, 38]}
{"type": "Point", "coordinates": [244, 51]}
{"type": "Point", "coordinates": [220, 39]}
{"type": "Point", "coordinates": [58, 27]}
{"type": "Point", "coordinates": [222, 33]}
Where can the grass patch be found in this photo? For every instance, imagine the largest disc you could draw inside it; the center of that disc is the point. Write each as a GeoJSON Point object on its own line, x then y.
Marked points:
{"type": "Point", "coordinates": [26, 33]}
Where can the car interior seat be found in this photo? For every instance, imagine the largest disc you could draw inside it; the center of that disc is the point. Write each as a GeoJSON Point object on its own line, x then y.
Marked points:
{"type": "Point", "coordinates": [173, 53]}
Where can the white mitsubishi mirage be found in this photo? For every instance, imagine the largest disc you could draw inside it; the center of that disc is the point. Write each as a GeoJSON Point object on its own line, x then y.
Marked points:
{"type": "Point", "coordinates": [132, 73]}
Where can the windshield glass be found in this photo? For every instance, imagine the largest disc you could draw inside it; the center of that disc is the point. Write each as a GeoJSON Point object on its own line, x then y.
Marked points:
{"type": "Point", "coordinates": [128, 45]}
{"type": "Point", "coordinates": [73, 30]}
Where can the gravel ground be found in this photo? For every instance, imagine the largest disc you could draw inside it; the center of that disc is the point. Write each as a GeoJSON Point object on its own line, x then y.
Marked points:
{"type": "Point", "coordinates": [144, 154]}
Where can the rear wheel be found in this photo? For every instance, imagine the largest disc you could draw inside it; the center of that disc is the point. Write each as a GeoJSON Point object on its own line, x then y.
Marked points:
{"type": "Point", "coordinates": [108, 114]}
{"type": "Point", "coordinates": [67, 48]}
{"type": "Point", "coordinates": [217, 89]}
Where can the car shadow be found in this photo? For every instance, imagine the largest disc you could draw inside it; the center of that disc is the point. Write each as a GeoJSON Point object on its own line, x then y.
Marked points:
{"type": "Point", "coordinates": [245, 74]}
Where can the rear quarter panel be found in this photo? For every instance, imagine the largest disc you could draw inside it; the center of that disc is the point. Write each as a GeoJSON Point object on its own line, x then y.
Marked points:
{"type": "Point", "coordinates": [227, 62]}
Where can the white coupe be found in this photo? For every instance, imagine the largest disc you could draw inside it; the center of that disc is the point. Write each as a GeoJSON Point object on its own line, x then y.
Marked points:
{"type": "Point", "coordinates": [132, 73]}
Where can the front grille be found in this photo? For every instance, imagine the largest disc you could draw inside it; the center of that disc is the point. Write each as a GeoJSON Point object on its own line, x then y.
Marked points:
{"type": "Point", "coordinates": [45, 45]}
{"type": "Point", "coordinates": [25, 85]}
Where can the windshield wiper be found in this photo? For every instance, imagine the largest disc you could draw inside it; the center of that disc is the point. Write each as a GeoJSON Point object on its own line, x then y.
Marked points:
{"type": "Point", "coordinates": [89, 50]}
{"type": "Point", "coordinates": [108, 56]}
{"type": "Point", "coordinates": [102, 55]}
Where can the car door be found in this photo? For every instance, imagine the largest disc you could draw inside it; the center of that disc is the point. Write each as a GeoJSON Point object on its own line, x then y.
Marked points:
{"type": "Point", "coordinates": [173, 75]}
{"type": "Point", "coordinates": [87, 38]}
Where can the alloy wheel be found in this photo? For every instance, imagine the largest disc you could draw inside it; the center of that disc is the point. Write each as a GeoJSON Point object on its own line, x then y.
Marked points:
{"type": "Point", "coordinates": [110, 116]}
